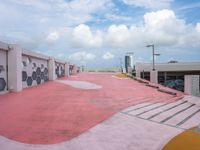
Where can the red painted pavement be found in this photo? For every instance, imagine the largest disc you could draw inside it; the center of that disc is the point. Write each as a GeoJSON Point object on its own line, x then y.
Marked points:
{"type": "Point", "coordinates": [54, 112]}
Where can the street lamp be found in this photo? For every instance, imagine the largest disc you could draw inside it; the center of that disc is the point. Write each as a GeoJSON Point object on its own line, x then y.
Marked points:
{"type": "Point", "coordinates": [153, 53]}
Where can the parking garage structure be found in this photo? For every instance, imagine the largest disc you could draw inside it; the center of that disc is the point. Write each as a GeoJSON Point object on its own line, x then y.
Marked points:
{"type": "Point", "coordinates": [168, 72]}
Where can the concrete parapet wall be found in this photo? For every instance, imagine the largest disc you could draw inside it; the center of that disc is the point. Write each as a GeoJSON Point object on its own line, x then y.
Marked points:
{"type": "Point", "coordinates": [20, 68]}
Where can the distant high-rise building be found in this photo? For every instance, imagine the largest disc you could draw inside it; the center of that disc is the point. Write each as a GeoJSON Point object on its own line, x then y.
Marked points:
{"type": "Point", "coordinates": [128, 63]}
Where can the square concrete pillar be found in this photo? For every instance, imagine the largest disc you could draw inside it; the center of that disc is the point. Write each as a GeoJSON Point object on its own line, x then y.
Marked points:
{"type": "Point", "coordinates": [191, 84]}
{"type": "Point", "coordinates": [138, 73]}
{"type": "Point", "coordinates": [154, 76]}
{"type": "Point", "coordinates": [74, 71]}
{"type": "Point", "coordinates": [15, 68]}
{"type": "Point", "coordinates": [130, 70]}
{"type": "Point", "coordinates": [51, 64]}
{"type": "Point", "coordinates": [123, 70]}
{"type": "Point", "coordinates": [67, 69]}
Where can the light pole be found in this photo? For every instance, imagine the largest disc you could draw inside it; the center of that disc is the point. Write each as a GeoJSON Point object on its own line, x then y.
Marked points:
{"type": "Point", "coordinates": [153, 53]}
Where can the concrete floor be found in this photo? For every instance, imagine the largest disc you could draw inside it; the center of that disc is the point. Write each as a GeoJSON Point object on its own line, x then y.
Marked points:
{"type": "Point", "coordinates": [56, 115]}
{"type": "Point", "coordinates": [120, 132]}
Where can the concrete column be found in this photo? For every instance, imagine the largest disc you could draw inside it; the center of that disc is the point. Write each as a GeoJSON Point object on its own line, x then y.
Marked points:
{"type": "Point", "coordinates": [138, 68]}
{"type": "Point", "coordinates": [52, 75]}
{"type": "Point", "coordinates": [138, 73]}
{"type": "Point", "coordinates": [130, 70]}
{"type": "Point", "coordinates": [165, 77]}
{"type": "Point", "coordinates": [191, 84]}
{"type": "Point", "coordinates": [124, 70]}
{"type": "Point", "coordinates": [15, 68]}
{"type": "Point", "coordinates": [67, 69]}
{"type": "Point", "coordinates": [74, 71]}
{"type": "Point", "coordinates": [82, 69]}
{"type": "Point", "coordinates": [154, 76]}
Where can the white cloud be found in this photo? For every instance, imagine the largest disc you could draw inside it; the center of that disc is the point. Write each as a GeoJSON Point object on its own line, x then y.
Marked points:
{"type": "Point", "coordinates": [108, 55]}
{"type": "Point", "coordinates": [82, 36]}
{"type": "Point", "coordinates": [67, 21]}
{"type": "Point", "coordinates": [198, 27]}
{"type": "Point", "coordinates": [164, 20]}
{"type": "Point", "coordinates": [52, 37]}
{"type": "Point", "coordinates": [33, 3]}
{"type": "Point", "coordinates": [82, 56]}
{"type": "Point", "coordinates": [117, 35]}
{"type": "Point", "coordinates": [161, 27]}
{"type": "Point", "coordinates": [152, 4]}
{"type": "Point", "coordinates": [73, 11]}
{"type": "Point", "coordinates": [192, 5]}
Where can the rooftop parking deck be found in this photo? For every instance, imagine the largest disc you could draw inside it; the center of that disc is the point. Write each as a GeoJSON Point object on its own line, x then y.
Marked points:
{"type": "Point", "coordinates": [62, 110]}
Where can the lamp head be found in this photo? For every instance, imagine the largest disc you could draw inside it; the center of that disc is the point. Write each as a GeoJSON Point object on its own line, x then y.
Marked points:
{"type": "Point", "coordinates": [150, 45]}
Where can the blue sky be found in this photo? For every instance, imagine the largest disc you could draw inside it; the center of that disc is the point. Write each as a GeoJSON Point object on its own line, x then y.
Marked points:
{"type": "Point", "coordinates": [98, 33]}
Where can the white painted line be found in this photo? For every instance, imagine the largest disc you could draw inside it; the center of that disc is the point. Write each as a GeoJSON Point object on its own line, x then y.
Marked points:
{"type": "Point", "coordinates": [137, 106]}
{"type": "Point", "coordinates": [135, 112]}
{"type": "Point", "coordinates": [178, 118]}
{"type": "Point", "coordinates": [166, 114]}
{"type": "Point", "coordinates": [194, 121]}
{"type": "Point", "coordinates": [161, 109]}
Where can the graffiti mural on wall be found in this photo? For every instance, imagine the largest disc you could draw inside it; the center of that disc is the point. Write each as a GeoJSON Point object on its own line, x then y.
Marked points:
{"type": "Point", "coordinates": [59, 70]}
{"type": "Point", "coordinates": [70, 69]}
{"type": "Point", "coordinates": [3, 71]}
{"type": "Point", "coordinates": [2, 84]}
{"type": "Point", "coordinates": [34, 71]}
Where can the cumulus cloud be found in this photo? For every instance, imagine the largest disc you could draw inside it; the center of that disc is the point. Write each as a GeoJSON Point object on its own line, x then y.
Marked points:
{"type": "Point", "coordinates": [118, 35]}
{"type": "Point", "coordinates": [67, 20]}
{"type": "Point", "coordinates": [82, 36]}
{"type": "Point", "coordinates": [198, 27]}
{"type": "Point", "coordinates": [82, 56]}
{"type": "Point", "coordinates": [152, 4]}
{"type": "Point", "coordinates": [108, 55]}
{"type": "Point", "coordinates": [162, 28]}
{"type": "Point", "coordinates": [52, 37]}
{"type": "Point", "coordinates": [73, 11]}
